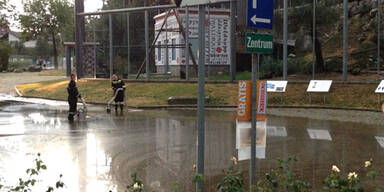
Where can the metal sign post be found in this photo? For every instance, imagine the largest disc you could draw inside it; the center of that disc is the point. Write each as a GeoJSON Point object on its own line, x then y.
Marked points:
{"type": "Point", "coordinates": [252, 170]}
{"type": "Point", "coordinates": [201, 99]}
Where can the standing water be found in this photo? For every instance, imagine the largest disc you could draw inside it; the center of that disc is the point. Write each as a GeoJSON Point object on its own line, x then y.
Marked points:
{"type": "Point", "coordinates": [101, 153]}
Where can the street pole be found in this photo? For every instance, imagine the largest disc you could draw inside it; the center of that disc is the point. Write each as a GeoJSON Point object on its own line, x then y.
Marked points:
{"type": "Point", "coordinates": [255, 76]}
{"type": "Point", "coordinates": [146, 46]}
{"type": "Point", "coordinates": [187, 45]}
{"type": "Point", "coordinates": [285, 39]}
{"type": "Point", "coordinates": [79, 35]}
{"type": "Point", "coordinates": [201, 104]}
{"type": "Point", "coordinates": [232, 68]}
{"type": "Point", "coordinates": [110, 47]}
{"type": "Point", "coordinates": [378, 38]}
{"type": "Point", "coordinates": [314, 40]}
{"type": "Point", "coordinates": [345, 41]}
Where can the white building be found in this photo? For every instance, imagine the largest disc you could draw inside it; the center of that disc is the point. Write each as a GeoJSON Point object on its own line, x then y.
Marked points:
{"type": "Point", "coordinates": [217, 41]}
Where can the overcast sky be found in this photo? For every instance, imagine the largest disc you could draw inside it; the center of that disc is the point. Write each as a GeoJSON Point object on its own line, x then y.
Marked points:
{"type": "Point", "coordinates": [89, 5]}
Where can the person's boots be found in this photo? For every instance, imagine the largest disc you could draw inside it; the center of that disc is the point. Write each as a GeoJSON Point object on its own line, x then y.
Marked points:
{"type": "Point", "coordinates": [116, 108]}
{"type": "Point", "coordinates": [121, 107]}
{"type": "Point", "coordinates": [70, 117]}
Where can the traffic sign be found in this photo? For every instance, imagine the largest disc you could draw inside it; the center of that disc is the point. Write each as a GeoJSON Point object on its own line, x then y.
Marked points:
{"type": "Point", "coordinates": [259, 43]}
{"type": "Point", "coordinates": [260, 14]}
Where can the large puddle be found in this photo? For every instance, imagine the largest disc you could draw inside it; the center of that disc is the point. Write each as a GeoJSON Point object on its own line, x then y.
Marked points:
{"type": "Point", "coordinates": [101, 153]}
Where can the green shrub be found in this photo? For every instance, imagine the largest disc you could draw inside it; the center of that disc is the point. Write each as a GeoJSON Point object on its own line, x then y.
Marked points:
{"type": "Point", "coordinates": [20, 64]}
{"type": "Point", "coordinates": [5, 50]}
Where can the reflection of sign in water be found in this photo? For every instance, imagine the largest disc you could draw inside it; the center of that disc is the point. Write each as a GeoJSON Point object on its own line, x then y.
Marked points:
{"type": "Point", "coordinates": [243, 139]}
{"type": "Point", "coordinates": [380, 88]}
{"type": "Point", "coordinates": [319, 134]}
{"type": "Point", "coordinates": [276, 131]}
{"type": "Point", "coordinates": [380, 140]}
{"type": "Point", "coordinates": [277, 86]}
{"type": "Point", "coordinates": [319, 86]}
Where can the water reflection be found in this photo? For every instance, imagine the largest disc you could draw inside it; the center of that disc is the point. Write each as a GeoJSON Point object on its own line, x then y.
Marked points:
{"type": "Point", "coordinates": [243, 140]}
{"type": "Point", "coordinates": [101, 153]}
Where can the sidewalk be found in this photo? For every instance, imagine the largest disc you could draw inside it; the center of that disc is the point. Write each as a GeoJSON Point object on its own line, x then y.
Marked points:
{"type": "Point", "coordinates": [8, 81]}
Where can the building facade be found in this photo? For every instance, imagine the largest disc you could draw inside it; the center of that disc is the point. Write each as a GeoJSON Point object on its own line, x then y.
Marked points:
{"type": "Point", "coordinates": [171, 42]}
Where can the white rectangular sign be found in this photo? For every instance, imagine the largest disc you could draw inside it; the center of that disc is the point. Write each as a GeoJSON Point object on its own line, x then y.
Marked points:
{"type": "Point", "coordinates": [318, 134]}
{"type": "Point", "coordinates": [277, 86]}
{"type": "Point", "coordinates": [380, 88]}
{"type": "Point", "coordinates": [320, 86]}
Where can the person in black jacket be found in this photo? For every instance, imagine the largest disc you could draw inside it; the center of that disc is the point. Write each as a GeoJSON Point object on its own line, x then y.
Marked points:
{"type": "Point", "coordinates": [117, 84]}
{"type": "Point", "coordinates": [73, 94]}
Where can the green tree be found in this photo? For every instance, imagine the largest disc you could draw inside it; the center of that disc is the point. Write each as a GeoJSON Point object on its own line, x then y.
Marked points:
{"type": "Point", "coordinates": [47, 18]}
{"type": "Point", "coordinates": [325, 17]}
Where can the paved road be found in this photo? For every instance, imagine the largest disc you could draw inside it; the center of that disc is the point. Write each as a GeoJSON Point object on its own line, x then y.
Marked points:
{"type": "Point", "coordinates": [9, 80]}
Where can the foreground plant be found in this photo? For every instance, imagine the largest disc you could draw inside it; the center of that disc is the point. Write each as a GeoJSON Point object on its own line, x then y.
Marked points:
{"type": "Point", "coordinates": [136, 185]}
{"type": "Point", "coordinates": [233, 180]}
{"type": "Point", "coordinates": [351, 182]}
{"type": "Point", "coordinates": [283, 179]}
{"type": "Point", "coordinates": [25, 185]}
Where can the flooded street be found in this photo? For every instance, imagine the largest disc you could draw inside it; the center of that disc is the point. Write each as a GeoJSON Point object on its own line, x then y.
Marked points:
{"type": "Point", "coordinates": [101, 153]}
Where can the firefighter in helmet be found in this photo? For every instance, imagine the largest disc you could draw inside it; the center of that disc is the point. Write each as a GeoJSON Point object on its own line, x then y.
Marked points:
{"type": "Point", "coordinates": [73, 94]}
{"type": "Point", "coordinates": [118, 87]}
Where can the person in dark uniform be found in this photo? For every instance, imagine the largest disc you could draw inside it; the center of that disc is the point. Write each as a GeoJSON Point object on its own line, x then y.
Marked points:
{"type": "Point", "coordinates": [119, 99]}
{"type": "Point", "coordinates": [73, 94]}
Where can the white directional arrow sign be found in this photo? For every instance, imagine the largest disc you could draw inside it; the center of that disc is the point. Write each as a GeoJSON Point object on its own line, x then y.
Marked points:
{"type": "Point", "coordinates": [255, 20]}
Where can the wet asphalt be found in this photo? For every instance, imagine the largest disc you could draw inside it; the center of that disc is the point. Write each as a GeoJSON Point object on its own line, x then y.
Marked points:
{"type": "Point", "coordinates": [100, 152]}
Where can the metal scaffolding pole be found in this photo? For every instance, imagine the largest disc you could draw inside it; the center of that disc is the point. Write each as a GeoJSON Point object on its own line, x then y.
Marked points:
{"type": "Point", "coordinates": [232, 68]}
{"type": "Point", "coordinates": [187, 45]}
{"type": "Point", "coordinates": [146, 46]}
{"type": "Point", "coordinates": [201, 100]}
{"type": "Point", "coordinates": [110, 47]}
{"type": "Point", "coordinates": [285, 39]}
{"type": "Point", "coordinates": [314, 41]}
{"type": "Point", "coordinates": [345, 41]}
{"type": "Point", "coordinates": [128, 44]}
{"type": "Point", "coordinates": [166, 48]}
{"type": "Point", "coordinates": [378, 38]}
{"type": "Point", "coordinates": [94, 51]}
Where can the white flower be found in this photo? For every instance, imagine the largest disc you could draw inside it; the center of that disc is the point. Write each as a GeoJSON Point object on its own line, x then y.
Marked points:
{"type": "Point", "coordinates": [234, 160]}
{"type": "Point", "coordinates": [352, 175]}
{"type": "Point", "coordinates": [136, 185]}
{"type": "Point", "coordinates": [335, 169]}
{"type": "Point", "coordinates": [368, 163]}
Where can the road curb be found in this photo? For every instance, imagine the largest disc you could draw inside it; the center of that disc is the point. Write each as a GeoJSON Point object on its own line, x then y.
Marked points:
{"type": "Point", "coordinates": [217, 106]}
{"type": "Point", "coordinates": [18, 92]}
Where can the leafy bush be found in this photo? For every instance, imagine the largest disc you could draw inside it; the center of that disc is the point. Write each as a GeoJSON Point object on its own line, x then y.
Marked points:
{"type": "Point", "coordinates": [20, 64]}
{"type": "Point", "coordinates": [233, 180]}
{"type": "Point", "coordinates": [25, 185]}
{"type": "Point", "coordinates": [5, 50]}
